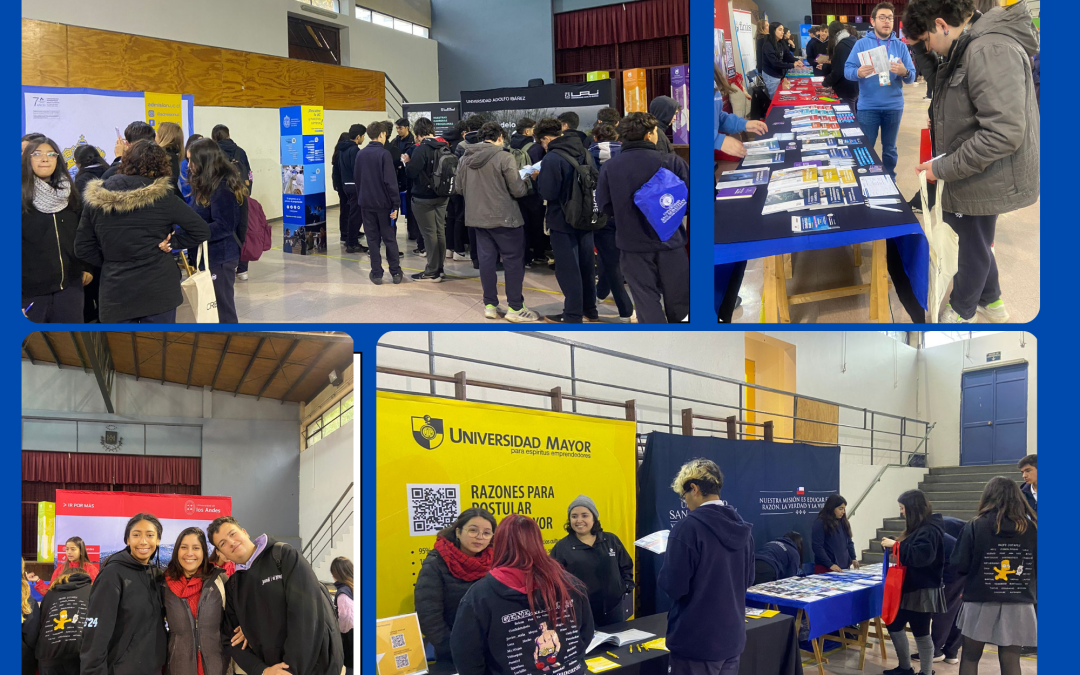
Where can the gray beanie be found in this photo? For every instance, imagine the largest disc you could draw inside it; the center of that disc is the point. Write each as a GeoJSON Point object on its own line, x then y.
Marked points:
{"type": "Point", "coordinates": [582, 500]}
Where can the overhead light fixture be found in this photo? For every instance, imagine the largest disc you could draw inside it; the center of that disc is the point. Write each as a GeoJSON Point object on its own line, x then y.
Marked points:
{"type": "Point", "coordinates": [318, 10]}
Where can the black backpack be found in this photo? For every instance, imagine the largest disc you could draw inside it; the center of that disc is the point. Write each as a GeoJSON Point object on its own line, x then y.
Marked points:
{"type": "Point", "coordinates": [581, 211]}
{"type": "Point", "coordinates": [444, 168]}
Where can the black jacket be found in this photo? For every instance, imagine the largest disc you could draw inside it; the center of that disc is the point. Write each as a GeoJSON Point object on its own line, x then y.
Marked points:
{"type": "Point", "coordinates": [533, 200]}
{"type": "Point", "coordinates": [286, 614]}
{"type": "Point", "coordinates": [49, 261]}
{"type": "Point", "coordinates": [376, 181]}
{"type": "Point", "coordinates": [88, 174]}
{"type": "Point", "coordinates": [783, 556]}
{"type": "Point", "coordinates": [1000, 567]}
{"type": "Point", "coordinates": [223, 215]}
{"type": "Point", "coordinates": [63, 613]}
{"type": "Point", "coordinates": [421, 168]}
{"type": "Point", "coordinates": [923, 553]}
{"type": "Point", "coordinates": [347, 161]}
{"type": "Point", "coordinates": [437, 595]}
{"type": "Point", "coordinates": [190, 635]}
{"type": "Point", "coordinates": [776, 62]}
{"type": "Point", "coordinates": [814, 49]}
{"type": "Point", "coordinates": [112, 170]}
{"type": "Point", "coordinates": [237, 156]}
{"type": "Point", "coordinates": [556, 179]}
{"type": "Point", "coordinates": [495, 634]}
{"type": "Point", "coordinates": [335, 164]}
{"type": "Point", "coordinates": [123, 221]}
{"type": "Point", "coordinates": [401, 146]}
{"type": "Point", "coordinates": [124, 633]}
{"type": "Point", "coordinates": [1032, 502]}
{"type": "Point", "coordinates": [622, 176]}
{"type": "Point", "coordinates": [174, 166]}
{"type": "Point", "coordinates": [605, 568]}
{"type": "Point", "coordinates": [30, 627]}
{"type": "Point", "coordinates": [663, 108]}
{"type": "Point", "coordinates": [834, 70]}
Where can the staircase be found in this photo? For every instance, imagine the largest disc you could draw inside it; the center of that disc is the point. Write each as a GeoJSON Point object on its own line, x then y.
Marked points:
{"type": "Point", "coordinates": [952, 491]}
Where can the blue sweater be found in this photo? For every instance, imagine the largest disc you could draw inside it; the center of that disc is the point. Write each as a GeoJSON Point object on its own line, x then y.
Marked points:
{"type": "Point", "coordinates": [708, 566]}
{"type": "Point", "coordinates": [223, 216]}
{"type": "Point", "coordinates": [873, 96]}
{"type": "Point", "coordinates": [782, 556]}
{"type": "Point", "coordinates": [724, 122]}
{"type": "Point", "coordinates": [834, 548]}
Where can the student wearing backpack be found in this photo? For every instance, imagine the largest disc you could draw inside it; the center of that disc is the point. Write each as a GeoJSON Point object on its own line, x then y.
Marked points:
{"type": "Point", "coordinates": [457, 236]}
{"type": "Point", "coordinates": [560, 183]}
{"type": "Point", "coordinates": [378, 198]}
{"type": "Point", "coordinates": [657, 271]}
{"type": "Point", "coordinates": [429, 206]}
{"type": "Point", "coordinates": [532, 204]}
{"type": "Point", "coordinates": [288, 617]}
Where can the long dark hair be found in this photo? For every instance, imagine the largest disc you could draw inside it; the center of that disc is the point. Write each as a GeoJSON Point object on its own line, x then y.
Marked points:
{"type": "Point", "coordinates": [796, 538]}
{"type": "Point", "coordinates": [152, 519]}
{"type": "Point", "coordinates": [86, 156]}
{"type": "Point", "coordinates": [84, 559]}
{"type": "Point", "coordinates": [450, 533]}
{"type": "Point", "coordinates": [175, 571]}
{"type": "Point", "coordinates": [1003, 497]}
{"type": "Point", "coordinates": [835, 28]}
{"type": "Point", "coordinates": [917, 511]}
{"type": "Point", "coordinates": [341, 139]}
{"type": "Point", "coordinates": [519, 544]}
{"type": "Point", "coordinates": [342, 571]}
{"type": "Point", "coordinates": [57, 179]}
{"type": "Point", "coordinates": [828, 514]}
{"type": "Point", "coordinates": [209, 166]}
{"type": "Point", "coordinates": [190, 142]}
{"type": "Point", "coordinates": [771, 37]}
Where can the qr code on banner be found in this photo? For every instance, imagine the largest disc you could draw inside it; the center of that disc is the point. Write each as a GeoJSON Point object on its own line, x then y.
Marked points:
{"type": "Point", "coordinates": [397, 641]}
{"type": "Point", "coordinates": [401, 660]}
{"type": "Point", "coordinates": [432, 507]}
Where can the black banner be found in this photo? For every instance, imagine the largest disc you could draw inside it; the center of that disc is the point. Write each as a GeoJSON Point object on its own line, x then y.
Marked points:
{"type": "Point", "coordinates": [443, 114]}
{"type": "Point", "coordinates": [570, 95]}
{"type": "Point", "coordinates": [776, 487]}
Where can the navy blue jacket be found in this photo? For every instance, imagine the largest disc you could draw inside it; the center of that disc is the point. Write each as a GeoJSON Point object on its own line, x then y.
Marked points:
{"type": "Point", "coordinates": [223, 216]}
{"type": "Point", "coordinates": [775, 63]}
{"type": "Point", "coordinates": [556, 179]}
{"type": "Point", "coordinates": [1026, 489]}
{"type": "Point", "coordinates": [375, 178]}
{"type": "Point", "coordinates": [783, 556]}
{"type": "Point", "coordinates": [622, 176]}
{"type": "Point", "coordinates": [834, 548]}
{"type": "Point", "coordinates": [950, 574]}
{"type": "Point", "coordinates": [347, 162]}
{"type": "Point", "coordinates": [708, 566]}
{"type": "Point", "coordinates": [923, 553]}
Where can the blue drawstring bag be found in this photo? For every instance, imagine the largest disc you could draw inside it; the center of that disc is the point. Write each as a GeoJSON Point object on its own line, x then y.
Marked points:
{"type": "Point", "coordinates": [663, 201]}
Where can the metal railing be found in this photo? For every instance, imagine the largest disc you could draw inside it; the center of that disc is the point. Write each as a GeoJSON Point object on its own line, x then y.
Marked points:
{"type": "Point", "coordinates": [324, 535]}
{"type": "Point", "coordinates": [895, 438]}
{"type": "Point", "coordinates": [395, 99]}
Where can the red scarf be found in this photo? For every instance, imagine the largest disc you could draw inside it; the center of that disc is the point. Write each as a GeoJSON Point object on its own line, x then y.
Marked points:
{"type": "Point", "coordinates": [462, 565]}
{"type": "Point", "coordinates": [513, 577]}
{"type": "Point", "coordinates": [190, 590]}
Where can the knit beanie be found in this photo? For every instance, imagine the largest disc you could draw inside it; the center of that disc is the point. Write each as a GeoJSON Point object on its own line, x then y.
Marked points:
{"type": "Point", "coordinates": [582, 500]}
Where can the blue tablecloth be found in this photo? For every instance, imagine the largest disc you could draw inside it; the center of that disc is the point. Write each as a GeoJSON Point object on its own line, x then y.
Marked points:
{"type": "Point", "coordinates": [831, 614]}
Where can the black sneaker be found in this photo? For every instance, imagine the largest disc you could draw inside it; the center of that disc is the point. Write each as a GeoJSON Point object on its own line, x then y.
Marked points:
{"type": "Point", "coordinates": [558, 318]}
{"type": "Point", "coordinates": [422, 276]}
{"type": "Point", "coordinates": [1028, 651]}
{"type": "Point", "coordinates": [899, 671]}
{"type": "Point", "coordinates": [476, 264]}
{"type": "Point", "coordinates": [420, 251]}
{"type": "Point", "coordinates": [377, 280]}
{"type": "Point", "coordinates": [398, 277]}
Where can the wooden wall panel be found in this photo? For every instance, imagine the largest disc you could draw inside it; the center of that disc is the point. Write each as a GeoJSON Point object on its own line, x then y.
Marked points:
{"type": "Point", "coordinates": [56, 55]}
{"type": "Point", "coordinates": [810, 432]}
{"type": "Point", "coordinates": [44, 54]}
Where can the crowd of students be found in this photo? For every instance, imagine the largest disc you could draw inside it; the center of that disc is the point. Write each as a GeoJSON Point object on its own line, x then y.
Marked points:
{"type": "Point", "coordinates": [250, 604]}
{"type": "Point", "coordinates": [102, 245]}
{"type": "Point", "coordinates": [975, 55]}
{"type": "Point", "coordinates": [967, 584]}
{"type": "Point", "coordinates": [468, 197]}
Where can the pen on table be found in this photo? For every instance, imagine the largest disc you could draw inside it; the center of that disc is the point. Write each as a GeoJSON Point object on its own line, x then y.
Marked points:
{"type": "Point", "coordinates": [612, 655]}
{"type": "Point", "coordinates": [885, 208]}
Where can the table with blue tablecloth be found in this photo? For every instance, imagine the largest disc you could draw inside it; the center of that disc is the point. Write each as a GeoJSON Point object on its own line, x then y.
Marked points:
{"type": "Point", "coordinates": [742, 233]}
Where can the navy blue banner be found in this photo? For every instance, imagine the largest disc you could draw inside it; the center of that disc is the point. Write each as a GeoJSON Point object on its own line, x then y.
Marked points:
{"type": "Point", "coordinates": [776, 487]}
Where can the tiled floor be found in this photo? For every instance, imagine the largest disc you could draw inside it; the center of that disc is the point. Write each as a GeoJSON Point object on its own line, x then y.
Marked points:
{"type": "Point", "coordinates": [846, 662]}
{"type": "Point", "coordinates": [1016, 247]}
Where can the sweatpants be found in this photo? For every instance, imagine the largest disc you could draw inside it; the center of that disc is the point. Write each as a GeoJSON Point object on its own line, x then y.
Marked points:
{"type": "Point", "coordinates": [575, 270]}
{"type": "Point", "coordinates": [412, 227]}
{"type": "Point", "coordinates": [380, 231]}
{"type": "Point", "coordinates": [763, 572]}
{"type": "Point", "coordinates": [457, 238]}
{"type": "Point", "coordinates": [63, 306]}
{"type": "Point", "coordinates": [976, 280]}
{"type": "Point", "coordinates": [430, 217]}
{"type": "Point", "coordinates": [727, 296]}
{"type": "Point", "coordinates": [224, 276]}
{"type": "Point", "coordinates": [943, 628]}
{"type": "Point", "coordinates": [610, 269]}
{"type": "Point", "coordinates": [656, 275]}
{"type": "Point", "coordinates": [680, 666]}
{"type": "Point", "coordinates": [355, 221]}
{"type": "Point", "coordinates": [343, 214]}
{"type": "Point", "coordinates": [509, 244]}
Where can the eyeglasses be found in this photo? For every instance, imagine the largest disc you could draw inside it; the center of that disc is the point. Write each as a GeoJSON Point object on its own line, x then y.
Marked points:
{"type": "Point", "coordinates": [473, 532]}
{"type": "Point", "coordinates": [44, 155]}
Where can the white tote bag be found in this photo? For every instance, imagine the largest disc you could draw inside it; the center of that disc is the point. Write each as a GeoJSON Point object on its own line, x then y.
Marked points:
{"type": "Point", "coordinates": [944, 250]}
{"type": "Point", "coordinates": [199, 289]}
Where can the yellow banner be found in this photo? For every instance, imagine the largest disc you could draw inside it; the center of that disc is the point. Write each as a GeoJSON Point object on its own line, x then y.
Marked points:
{"type": "Point", "coordinates": [437, 457]}
{"type": "Point", "coordinates": [312, 116]}
{"type": "Point", "coordinates": [163, 108]}
{"type": "Point", "coordinates": [399, 648]}
{"type": "Point", "coordinates": [46, 519]}
{"type": "Point", "coordinates": [635, 96]}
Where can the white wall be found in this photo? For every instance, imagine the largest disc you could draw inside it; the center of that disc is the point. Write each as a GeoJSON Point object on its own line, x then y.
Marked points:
{"type": "Point", "coordinates": [940, 376]}
{"type": "Point", "coordinates": [880, 503]}
{"type": "Point", "coordinates": [326, 469]}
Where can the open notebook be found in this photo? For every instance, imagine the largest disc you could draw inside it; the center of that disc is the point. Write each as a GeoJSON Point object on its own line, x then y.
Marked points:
{"type": "Point", "coordinates": [618, 639]}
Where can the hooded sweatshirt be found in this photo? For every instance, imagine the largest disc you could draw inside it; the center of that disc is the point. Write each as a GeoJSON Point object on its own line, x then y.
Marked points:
{"type": "Point", "coordinates": [923, 553]}
{"type": "Point", "coordinates": [376, 180]}
{"type": "Point", "coordinates": [488, 179]}
{"type": "Point", "coordinates": [708, 566]}
{"type": "Point", "coordinates": [124, 631]}
{"type": "Point", "coordinates": [556, 180]}
{"type": "Point", "coordinates": [663, 108]}
{"type": "Point", "coordinates": [782, 555]}
{"type": "Point", "coordinates": [421, 168]}
{"type": "Point", "coordinates": [238, 157]}
{"type": "Point", "coordinates": [63, 612]}
{"type": "Point", "coordinates": [873, 96]}
{"type": "Point", "coordinates": [605, 568]}
{"type": "Point", "coordinates": [495, 633]}
{"type": "Point", "coordinates": [1000, 566]}
{"type": "Point", "coordinates": [623, 175]}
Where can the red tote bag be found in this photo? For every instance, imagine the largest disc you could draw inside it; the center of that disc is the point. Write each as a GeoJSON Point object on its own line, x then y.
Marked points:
{"type": "Point", "coordinates": [926, 151]}
{"type": "Point", "coordinates": [894, 586]}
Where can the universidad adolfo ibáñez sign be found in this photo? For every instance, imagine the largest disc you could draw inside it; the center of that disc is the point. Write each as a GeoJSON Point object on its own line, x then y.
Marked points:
{"type": "Point", "coordinates": [507, 105]}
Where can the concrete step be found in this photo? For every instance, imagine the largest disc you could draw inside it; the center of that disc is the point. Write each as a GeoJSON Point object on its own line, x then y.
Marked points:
{"type": "Point", "coordinates": [892, 534]}
{"type": "Point", "coordinates": [981, 478]}
{"type": "Point", "coordinates": [943, 505]}
{"type": "Point", "coordinates": [871, 557]}
{"type": "Point", "coordinates": [996, 469]}
{"type": "Point", "coordinates": [893, 524]}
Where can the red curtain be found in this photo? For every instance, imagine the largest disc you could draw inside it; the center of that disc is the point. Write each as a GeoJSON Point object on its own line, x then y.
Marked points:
{"type": "Point", "coordinates": [625, 22]}
{"type": "Point", "coordinates": [63, 467]}
{"type": "Point", "coordinates": [29, 531]}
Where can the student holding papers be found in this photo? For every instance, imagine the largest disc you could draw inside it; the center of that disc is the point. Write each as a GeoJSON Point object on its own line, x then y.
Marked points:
{"type": "Point", "coordinates": [708, 566]}
{"type": "Point", "coordinates": [881, 105]}
{"type": "Point", "coordinates": [727, 124]}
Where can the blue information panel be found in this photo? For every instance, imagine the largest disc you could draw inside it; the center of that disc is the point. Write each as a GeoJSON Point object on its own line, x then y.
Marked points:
{"type": "Point", "coordinates": [314, 178]}
{"type": "Point", "coordinates": [292, 151]}
{"type": "Point", "coordinates": [303, 179]}
{"type": "Point", "coordinates": [313, 150]}
{"type": "Point", "coordinates": [293, 210]}
{"type": "Point", "coordinates": [291, 121]}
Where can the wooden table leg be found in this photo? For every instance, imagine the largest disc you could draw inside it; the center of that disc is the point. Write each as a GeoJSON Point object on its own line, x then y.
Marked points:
{"type": "Point", "coordinates": [768, 291]}
{"type": "Point", "coordinates": [856, 250]}
{"type": "Point", "coordinates": [819, 656]}
{"type": "Point", "coordinates": [787, 265]}
{"type": "Point", "coordinates": [879, 284]}
{"type": "Point", "coordinates": [864, 631]}
{"type": "Point", "coordinates": [881, 638]}
{"type": "Point", "coordinates": [781, 290]}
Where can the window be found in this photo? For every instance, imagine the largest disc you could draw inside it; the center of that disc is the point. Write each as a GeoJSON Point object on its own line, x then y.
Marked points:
{"type": "Point", "coordinates": [310, 41]}
{"type": "Point", "coordinates": [419, 31]}
{"type": "Point", "coordinates": [382, 20]}
{"type": "Point", "coordinates": [403, 26]}
{"type": "Point", "coordinates": [334, 418]}
{"type": "Point", "coordinates": [363, 14]}
{"type": "Point", "coordinates": [332, 5]}
{"type": "Point", "coordinates": [387, 21]}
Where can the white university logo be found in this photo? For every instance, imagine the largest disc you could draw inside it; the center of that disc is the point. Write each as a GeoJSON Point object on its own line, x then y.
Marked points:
{"type": "Point", "coordinates": [287, 122]}
{"type": "Point", "coordinates": [666, 200]}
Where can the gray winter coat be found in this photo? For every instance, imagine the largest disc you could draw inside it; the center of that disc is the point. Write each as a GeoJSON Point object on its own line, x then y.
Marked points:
{"type": "Point", "coordinates": [986, 116]}
{"type": "Point", "coordinates": [184, 629]}
{"type": "Point", "coordinates": [488, 179]}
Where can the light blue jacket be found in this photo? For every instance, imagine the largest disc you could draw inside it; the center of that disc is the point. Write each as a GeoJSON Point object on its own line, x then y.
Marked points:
{"type": "Point", "coordinates": [725, 122]}
{"type": "Point", "coordinates": [873, 96]}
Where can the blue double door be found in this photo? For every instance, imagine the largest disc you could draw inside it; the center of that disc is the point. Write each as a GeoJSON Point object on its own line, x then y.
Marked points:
{"type": "Point", "coordinates": [993, 415]}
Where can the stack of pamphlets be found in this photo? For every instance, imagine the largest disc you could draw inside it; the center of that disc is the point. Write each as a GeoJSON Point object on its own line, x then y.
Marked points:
{"type": "Point", "coordinates": [835, 156]}
{"type": "Point", "coordinates": [763, 147]}
{"type": "Point", "coordinates": [735, 193]}
{"type": "Point", "coordinates": [818, 223]}
{"type": "Point", "coordinates": [740, 178]}
{"type": "Point", "coordinates": [762, 160]}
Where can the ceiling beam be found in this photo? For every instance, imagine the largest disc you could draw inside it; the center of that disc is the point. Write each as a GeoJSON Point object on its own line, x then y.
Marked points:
{"type": "Point", "coordinates": [224, 351]}
{"type": "Point", "coordinates": [97, 350]}
{"type": "Point", "coordinates": [341, 371]}
{"type": "Point", "coordinates": [307, 371]}
{"type": "Point", "coordinates": [135, 354]}
{"type": "Point", "coordinates": [310, 336]}
{"type": "Point", "coordinates": [191, 366]}
{"type": "Point", "coordinates": [280, 365]}
{"type": "Point", "coordinates": [26, 352]}
{"type": "Point", "coordinates": [247, 370]}
{"type": "Point", "coordinates": [75, 341]}
{"type": "Point", "coordinates": [52, 350]}
{"type": "Point", "coordinates": [164, 351]}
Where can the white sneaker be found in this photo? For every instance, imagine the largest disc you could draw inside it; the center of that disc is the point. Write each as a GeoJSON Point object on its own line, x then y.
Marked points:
{"type": "Point", "coordinates": [243, 276]}
{"type": "Point", "coordinates": [626, 319]}
{"type": "Point", "coordinates": [449, 254]}
{"type": "Point", "coordinates": [493, 312]}
{"type": "Point", "coordinates": [952, 659]}
{"type": "Point", "coordinates": [949, 315]}
{"type": "Point", "coordinates": [460, 257]}
{"type": "Point", "coordinates": [522, 315]}
{"type": "Point", "coordinates": [995, 312]}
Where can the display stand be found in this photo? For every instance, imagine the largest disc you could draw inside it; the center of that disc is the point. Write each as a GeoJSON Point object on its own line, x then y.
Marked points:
{"type": "Point", "coordinates": [303, 179]}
